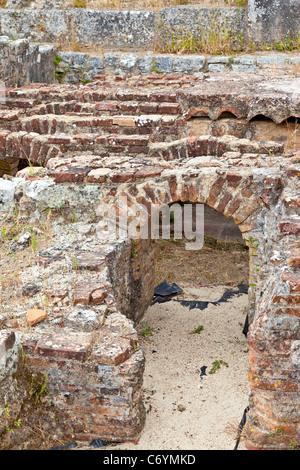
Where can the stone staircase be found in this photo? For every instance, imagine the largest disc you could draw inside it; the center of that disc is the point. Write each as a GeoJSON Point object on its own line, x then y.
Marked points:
{"type": "Point", "coordinates": [139, 121]}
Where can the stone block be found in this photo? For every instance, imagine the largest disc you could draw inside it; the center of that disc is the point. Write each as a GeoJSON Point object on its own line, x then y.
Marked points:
{"type": "Point", "coordinates": [63, 343]}
{"type": "Point", "coordinates": [273, 20]}
{"type": "Point", "coordinates": [123, 28]}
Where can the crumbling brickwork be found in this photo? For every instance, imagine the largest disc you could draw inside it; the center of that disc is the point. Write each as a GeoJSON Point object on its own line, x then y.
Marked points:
{"type": "Point", "coordinates": [133, 136]}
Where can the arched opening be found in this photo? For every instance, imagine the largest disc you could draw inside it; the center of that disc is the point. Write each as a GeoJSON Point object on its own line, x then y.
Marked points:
{"type": "Point", "coordinates": [227, 115]}
{"type": "Point", "coordinates": [196, 374]}
{"type": "Point", "coordinates": [261, 118]}
{"type": "Point", "coordinates": [263, 128]}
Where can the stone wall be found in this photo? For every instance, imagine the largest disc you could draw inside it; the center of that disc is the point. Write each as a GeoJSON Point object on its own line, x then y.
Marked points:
{"type": "Point", "coordinates": [273, 20]}
{"type": "Point", "coordinates": [260, 21]}
{"type": "Point", "coordinates": [22, 63]}
{"type": "Point", "coordinates": [81, 67]}
{"type": "Point", "coordinates": [113, 30]}
{"type": "Point", "coordinates": [91, 42]}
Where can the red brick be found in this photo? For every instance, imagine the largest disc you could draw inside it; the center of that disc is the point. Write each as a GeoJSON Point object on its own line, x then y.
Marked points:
{"type": "Point", "coordinates": [139, 140]}
{"type": "Point", "coordinates": [150, 193]}
{"type": "Point", "coordinates": [164, 97]}
{"type": "Point", "coordinates": [108, 105]}
{"type": "Point", "coordinates": [128, 106]}
{"type": "Point", "coordinates": [149, 172]}
{"type": "Point", "coordinates": [65, 344]}
{"type": "Point", "coordinates": [169, 108]}
{"type": "Point", "coordinates": [290, 226]}
{"type": "Point", "coordinates": [35, 316]}
{"type": "Point", "coordinates": [35, 125]}
{"type": "Point", "coordinates": [286, 299]}
{"type": "Point", "coordinates": [35, 151]}
{"type": "Point", "coordinates": [279, 385]}
{"type": "Point", "coordinates": [233, 178]}
{"type": "Point", "coordinates": [102, 122]}
{"type": "Point", "coordinates": [173, 188]}
{"type": "Point", "coordinates": [215, 191]}
{"type": "Point", "coordinates": [121, 176]}
{"type": "Point", "coordinates": [59, 139]}
{"type": "Point", "coordinates": [294, 259]}
{"type": "Point", "coordinates": [223, 202]}
{"type": "Point", "coordinates": [288, 311]}
{"type": "Point", "coordinates": [71, 175]}
{"type": "Point", "coordinates": [148, 108]}
{"type": "Point", "coordinates": [98, 296]}
{"type": "Point", "coordinates": [193, 196]}
{"type": "Point", "coordinates": [9, 115]}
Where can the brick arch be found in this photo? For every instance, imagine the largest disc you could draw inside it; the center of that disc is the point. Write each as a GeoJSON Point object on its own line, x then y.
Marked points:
{"type": "Point", "coordinates": [260, 116]}
{"type": "Point", "coordinates": [230, 192]}
{"type": "Point", "coordinates": [214, 113]}
{"type": "Point", "coordinates": [273, 282]}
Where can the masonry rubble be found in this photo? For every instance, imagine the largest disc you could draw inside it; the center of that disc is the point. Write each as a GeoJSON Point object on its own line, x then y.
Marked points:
{"type": "Point", "coordinates": [134, 26]}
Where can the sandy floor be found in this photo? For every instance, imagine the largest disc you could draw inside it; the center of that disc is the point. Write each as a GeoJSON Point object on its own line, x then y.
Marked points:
{"type": "Point", "coordinates": [185, 412]}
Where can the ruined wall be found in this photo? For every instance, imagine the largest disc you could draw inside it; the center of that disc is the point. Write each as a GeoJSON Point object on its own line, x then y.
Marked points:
{"type": "Point", "coordinates": [134, 136]}
{"type": "Point", "coordinates": [81, 67]}
{"type": "Point", "coordinates": [22, 63]}
{"type": "Point", "coordinates": [273, 20]}
{"type": "Point", "coordinates": [111, 30]}
{"type": "Point", "coordinates": [90, 42]}
{"type": "Point", "coordinates": [137, 27]}
{"type": "Point", "coordinates": [92, 359]}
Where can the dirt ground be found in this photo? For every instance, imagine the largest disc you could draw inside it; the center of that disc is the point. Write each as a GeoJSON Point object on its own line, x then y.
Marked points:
{"type": "Point", "coordinates": [186, 411]}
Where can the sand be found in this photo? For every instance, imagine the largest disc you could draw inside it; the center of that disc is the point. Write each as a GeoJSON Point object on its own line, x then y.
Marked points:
{"type": "Point", "coordinates": [183, 410]}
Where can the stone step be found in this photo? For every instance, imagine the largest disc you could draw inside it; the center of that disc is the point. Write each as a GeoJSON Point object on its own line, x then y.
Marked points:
{"type": "Point", "coordinates": [119, 88]}
{"type": "Point", "coordinates": [72, 123]}
{"type": "Point", "coordinates": [104, 107]}
{"type": "Point", "coordinates": [38, 149]}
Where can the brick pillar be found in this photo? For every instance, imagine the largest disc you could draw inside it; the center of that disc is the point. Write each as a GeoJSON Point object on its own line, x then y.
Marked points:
{"type": "Point", "coordinates": [95, 378]}
{"type": "Point", "coordinates": [273, 339]}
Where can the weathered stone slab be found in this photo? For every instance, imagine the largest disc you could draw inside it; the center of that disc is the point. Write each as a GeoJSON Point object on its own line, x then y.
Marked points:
{"type": "Point", "coordinates": [64, 343]}
{"type": "Point", "coordinates": [273, 20]}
